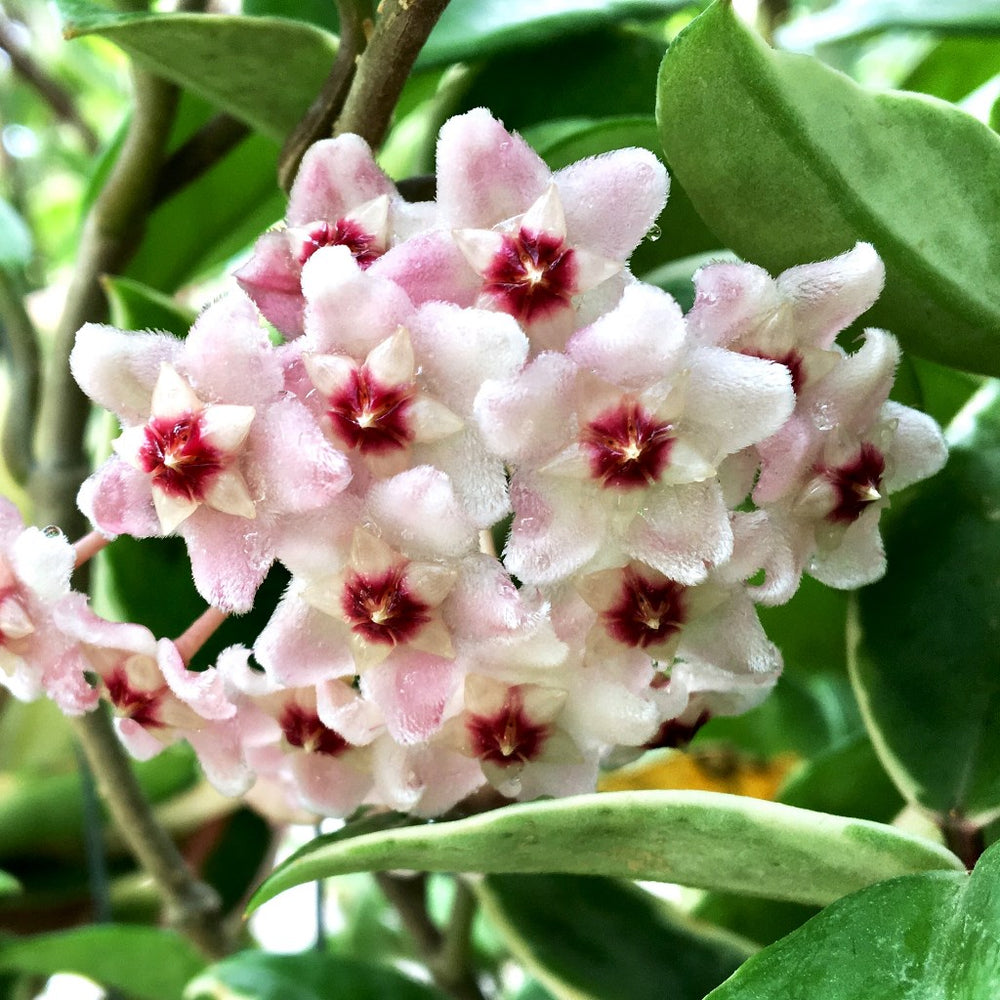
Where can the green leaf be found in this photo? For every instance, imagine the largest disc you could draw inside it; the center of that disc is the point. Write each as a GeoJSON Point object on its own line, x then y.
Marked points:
{"type": "Point", "coordinates": [265, 71]}
{"type": "Point", "coordinates": [788, 161]}
{"type": "Point", "coordinates": [924, 653]}
{"type": "Point", "coordinates": [15, 238]}
{"type": "Point", "coordinates": [320, 12]}
{"type": "Point", "coordinates": [135, 306]}
{"type": "Point", "coordinates": [9, 886]}
{"type": "Point", "coordinates": [955, 67]}
{"type": "Point", "coordinates": [144, 962]}
{"type": "Point", "coordinates": [471, 29]}
{"type": "Point", "coordinates": [567, 929]}
{"type": "Point", "coordinates": [255, 975]}
{"type": "Point", "coordinates": [850, 18]}
{"type": "Point", "coordinates": [931, 935]}
{"type": "Point", "coordinates": [700, 839]}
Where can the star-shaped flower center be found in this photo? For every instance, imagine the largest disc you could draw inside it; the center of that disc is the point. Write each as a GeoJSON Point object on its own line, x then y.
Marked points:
{"type": "Point", "coordinates": [507, 737]}
{"type": "Point", "coordinates": [858, 483]}
{"type": "Point", "coordinates": [178, 458]}
{"type": "Point", "coordinates": [647, 611]}
{"type": "Point", "coordinates": [345, 233]}
{"type": "Point", "coordinates": [303, 729]}
{"type": "Point", "coordinates": [370, 416]}
{"type": "Point", "coordinates": [142, 707]}
{"type": "Point", "coordinates": [531, 275]}
{"type": "Point", "coordinates": [380, 607]}
{"type": "Point", "coordinates": [627, 447]}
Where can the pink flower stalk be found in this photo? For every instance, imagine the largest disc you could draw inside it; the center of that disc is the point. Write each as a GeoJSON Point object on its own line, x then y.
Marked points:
{"type": "Point", "coordinates": [197, 454]}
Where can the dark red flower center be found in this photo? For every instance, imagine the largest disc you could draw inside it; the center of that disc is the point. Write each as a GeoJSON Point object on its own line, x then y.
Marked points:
{"type": "Point", "coordinates": [381, 609]}
{"type": "Point", "coordinates": [303, 729]}
{"type": "Point", "coordinates": [792, 360]}
{"type": "Point", "coordinates": [675, 734]}
{"type": "Point", "coordinates": [647, 611]}
{"type": "Point", "coordinates": [371, 417]}
{"type": "Point", "coordinates": [181, 462]}
{"type": "Point", "coordinates": [531, 275]}
{"type": "Point", "coordinates": [342, 233]}
{"type": "Point", "coordinates": [142, 707]}
{"type": "Point", "coordinates": [509, 737]}
{"type": "Point", "coordinates": [857, 484]}
{"type": "Point", "coordinates": [628, 448]}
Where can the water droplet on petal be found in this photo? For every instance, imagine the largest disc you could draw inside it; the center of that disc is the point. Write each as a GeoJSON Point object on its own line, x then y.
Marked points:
{"type": "Point", "coordinates": [52, 531]}
{"type": "Point", "coordinates": [654, 233]}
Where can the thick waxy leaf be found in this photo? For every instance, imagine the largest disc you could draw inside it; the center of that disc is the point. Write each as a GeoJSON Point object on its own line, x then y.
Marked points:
{"type": "Point", "coordinates": [567, 929]}
{"type": "Point", "coordinates": [9, 886]}
{"type": "Point", "coordinates": [701, 839]}
{"type": "Point", "coordinates": [472, 29]}
{"type": "Point", "coordinates": [924, 661]}
{"type": "Point", "coordinates": [135, 306]}
{"type": "Point", "coordinates": [265, 71]}
{"type": "Point", "coordinates": [850, 18]}
{"type": "Point", "coordinates": [789, 161]}
{"type": "Point", "coordinates": [916, 937]}
{"type": "Point", "coordinates": [255, 975]}
{"type": "Point", "coordinates": [955, 67]}
{"type": "Point", "coordinates": [144, 962]}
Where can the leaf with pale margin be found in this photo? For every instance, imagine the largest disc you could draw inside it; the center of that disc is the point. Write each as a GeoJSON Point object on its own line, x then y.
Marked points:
{"type": "Point", "coordinates": [788, 161]}
{"type": "Point", "coordinates": [924, 639]}
{"type": "Point", "coordinates": [264, 71]}
{"type": "Point", "coordinates": [146, 963]}
{"type": "Point", "coordinates": [255, 975]}
{"type": "Point", "coordinates": [911, 938]}
{"type": "Point", "coordinates": [701, 839]}
{"type": "Point", "coordinates": [851, 18]}
{"type": "Point", "coordinates": [470, 30]}
{"type": "Point", "coordinates": [567, 930]}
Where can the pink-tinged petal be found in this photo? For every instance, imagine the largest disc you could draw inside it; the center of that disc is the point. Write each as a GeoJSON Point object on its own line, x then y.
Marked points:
{"type": "Point", "coordinates": [612, 200]}
{"type": "Point", "coordinates": [300, 645]}
{"type": "Point", "coordinates": [826, 297]}
{"type": "Point", "coordinates": [430, 268]}
{"type": "Point", "coordinates": [139, 741]}
{"type": "Point", "coordinates": [296, 469]}
{"type": "Point", "coordinates": [204, 690]}
{"type": "Point", "coordinates": [42, 561]}
{"type": "Point", "coordinates": [557, 528]}
{"type": "Point", "coordinates": [528, 418]}
{"type": "Point", "coordinates": [220, 755]}
{"type": "Point", "coordinates": [335, 176]}
{"type": "Point", "coordinates": [118, 369]}
{"type": "Point", "coordinates": [600, 708]}
{"type": "Point", "coordinates": [317, 543]}
{"type": "Point", "coordinates": [917, 447]}
{"type": "Point", "coordinates": [760, 543]}
{"type": "Point", "coordinates": [419, 515]}
{"type": "Point", "coordinates": [273, 279]}
{"type": "Point", "coordinates": [329, 786]}
{"type": "Point", "coordinates": [733, 401]}
{"type": "Point", "coordinates": [348, 310]}
{"type": "Point", "coordinates": [230, 557]}
{"type": "Point", "coordinates": [411, 689]}
{"type": "Point", "coordinates": [484, 174]}
{"type": "Point", "coordinates": [786, 457]}
{"type": "Point", "coordinates": [458, 349]}
{"type": "Point", "coordinates": [342, 708]}
{"type": "Point", "coordinates": [682, 531]}
{"type": "Point", "coordinates": [173, 397]}
{"type": "Point", "coordinates": [117, 499]}
{"type": "Point", "coordinates": [227, 355]}
{"type": "Point", "coordinates": [731, 301]}
{"type": "Point", "coordinates": [636, 344]}
{"type": "Point", "coordinates": [731, 638]}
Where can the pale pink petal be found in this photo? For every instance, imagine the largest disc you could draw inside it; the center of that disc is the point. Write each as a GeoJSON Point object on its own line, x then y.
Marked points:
{"type": "Point", "coordinates": [917, 449]}
{"type": "Point", "coordinates": [411, 689]}
{"type": "Point", "coordinates": [272, 277]}
{"type": "Point", "coordinates": [118, 499]}
{"type": "Point", "coordinates": [430, 268]}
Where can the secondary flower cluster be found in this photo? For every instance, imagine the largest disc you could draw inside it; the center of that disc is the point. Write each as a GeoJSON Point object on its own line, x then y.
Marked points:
{"type": "Point", "coordinates": [446, 369]}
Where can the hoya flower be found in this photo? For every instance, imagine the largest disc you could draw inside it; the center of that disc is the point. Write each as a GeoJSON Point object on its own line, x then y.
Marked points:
{"type": "Point", "coordinates": [340, 198]}
{"type": "Point", "coordinates": [212, 446]}
{"type": "Point", "coordinates": [526, 241]}
{"type": "Point", "coordinates": [850, 449]}
{"type": "Point", "coordinates": [35, 651]}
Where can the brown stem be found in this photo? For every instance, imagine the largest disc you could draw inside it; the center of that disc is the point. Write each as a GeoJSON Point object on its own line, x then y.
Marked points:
{"type": "Point", "coordinates": [317, 123]}
{"type": "Point", "coordinates": [400, 32]}
{"type": "Point", "coordinates": [110, 236]}
{"type": "Point", "coordinates": [55, 95]}
{"type": "Point", "coordinates": [192, 907]}
{"type": "Point", "coordinates": [21, 347]}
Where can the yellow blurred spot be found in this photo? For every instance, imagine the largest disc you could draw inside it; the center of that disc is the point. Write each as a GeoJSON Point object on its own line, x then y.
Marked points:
{"type": "Point", "coordinates": [717, 768]}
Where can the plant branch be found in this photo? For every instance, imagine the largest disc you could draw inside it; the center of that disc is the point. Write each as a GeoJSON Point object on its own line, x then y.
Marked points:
{"type": "Point", "coordinates": [110, 236]}
{"type": "Point", "coordinates": [192, 907]}
{"type": "Point", "coordinates": [20, 340]}
{"type": "Point", "coordinates": [317, 123]}
{"type": "Point", "coordinates": [203, 150]}
{"type": "Point", "coordinates": [55, 95]}
{"type": "Point", "coordinates": [400, 32]}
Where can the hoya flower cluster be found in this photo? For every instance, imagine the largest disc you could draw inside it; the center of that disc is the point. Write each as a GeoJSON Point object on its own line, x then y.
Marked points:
{"type": "Point", "coordinates": [446, 369]}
